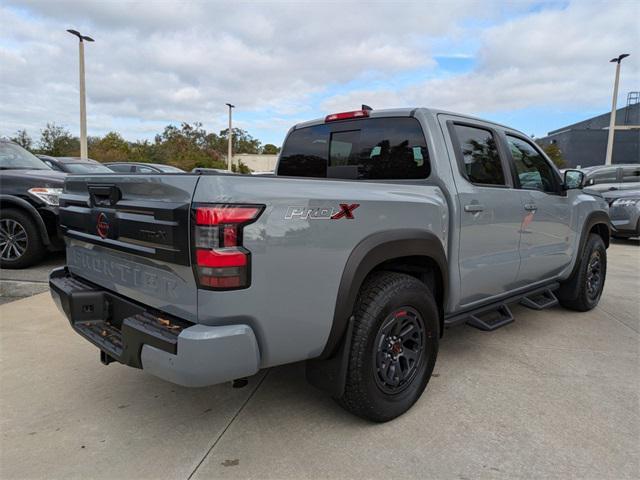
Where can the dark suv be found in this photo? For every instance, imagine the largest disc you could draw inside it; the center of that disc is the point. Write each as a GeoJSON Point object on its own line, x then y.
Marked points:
{"type": "Point", "coordinates": [74, 164]}
{"type": "Point", "coordinates": [29, 192]}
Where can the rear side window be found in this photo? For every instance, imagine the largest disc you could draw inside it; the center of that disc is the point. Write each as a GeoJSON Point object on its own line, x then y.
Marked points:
{"type": "Point", "coordinates": [120, 168]}
{"type": "Point", "coordinates": [631, 174]}
{"type": "Point", "coordinates": [373, 148]}
{"type": "Point", "coordinates": [479, 153]}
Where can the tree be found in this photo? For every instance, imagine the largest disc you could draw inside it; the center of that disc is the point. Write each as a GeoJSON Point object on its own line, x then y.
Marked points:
{"type": "Point", "coordinates": [58, 142]}
{"type": "Point", "coordinates": [240, 168]}
{"type": "Point", "coordinates": [23, 139]}
{"type": "Point", "coordinates": [142, 151]}
{"type": "Point", "coordinates": [270, 149]}
{"type": "Point", "coordinates": [555, 154]}
{"type": "Point", "coordinates": [187, 147]}
{"type": "Point", "coordinates": [242, 141]}
{"type": "Point", "coordinates": [110, 148]}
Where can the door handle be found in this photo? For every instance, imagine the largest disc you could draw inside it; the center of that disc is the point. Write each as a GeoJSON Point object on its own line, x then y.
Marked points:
{"type": "Point", "coordinates": [473, 208]}
{"type": "Point", "coordinates": [530, 207]}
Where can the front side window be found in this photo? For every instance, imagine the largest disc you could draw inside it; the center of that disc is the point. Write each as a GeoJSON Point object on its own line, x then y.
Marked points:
{"type": "Point", "coordinates": [480, 159]}
{"type": "Point", "coordinates": [533, 171]}
{"type": "Point", "coordinates": [364, 149]}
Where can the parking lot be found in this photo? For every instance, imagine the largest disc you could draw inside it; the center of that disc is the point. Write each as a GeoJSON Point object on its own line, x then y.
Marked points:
{"type": "Point", "coordinates": [16, 284]}
{"type": "Point", "coordinates": [555, 394]}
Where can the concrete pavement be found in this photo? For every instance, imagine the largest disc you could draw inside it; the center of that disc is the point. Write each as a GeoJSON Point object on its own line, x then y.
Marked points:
{"type": "Point", "coordinates": [15, 284]}
{"type": "Point", "coordinates": [555, 394]}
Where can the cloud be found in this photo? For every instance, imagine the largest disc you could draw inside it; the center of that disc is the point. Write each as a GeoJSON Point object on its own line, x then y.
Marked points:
{"type": "Point", "coordinates": [161, 62]}
{"type": "Point", "coordinates": [552, 58]}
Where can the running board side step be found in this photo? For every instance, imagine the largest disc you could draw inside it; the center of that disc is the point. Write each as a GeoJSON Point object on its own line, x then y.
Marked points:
{"type": "Point", "coordinates": [497, 314]}
{"type": "Point", "coordinates": [539, 301]}
{"type": "Point", "coordinates": [491, 319]}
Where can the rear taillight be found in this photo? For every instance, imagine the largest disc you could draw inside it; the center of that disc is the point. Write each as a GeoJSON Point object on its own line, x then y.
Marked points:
{"type": "Point", "coordinates": [220, 261]}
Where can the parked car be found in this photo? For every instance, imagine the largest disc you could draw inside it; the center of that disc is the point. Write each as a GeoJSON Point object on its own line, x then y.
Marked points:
{"type": "Point", "coordinates": [613, 177]}
{"type": "Point", "coordinates": [379, 230]}
{"type": "Point", "coordinates": [29, 192]}
{"type": "Point", "coordinates": [74, 164]}
{"type": "Point", "coordinates": [133, 167]}
{"type": "Point", "coordinates": [624, 211]}
{"type": "Point", "coordinates": [210, 170]}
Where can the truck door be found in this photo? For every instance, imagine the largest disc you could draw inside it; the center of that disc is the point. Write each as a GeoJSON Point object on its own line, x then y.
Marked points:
{"type": "Point", "coordinates": [547, 237]}
{"type": "Point", "coordinates": [489, 208]}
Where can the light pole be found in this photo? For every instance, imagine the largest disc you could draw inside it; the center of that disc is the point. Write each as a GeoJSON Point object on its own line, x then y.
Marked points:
{"type": "Point", "coordinates": [230, 138]}
{"type": "Point", "coordinates": [614, 101]}
{"type": "Point", "coordinates": [83, 104]}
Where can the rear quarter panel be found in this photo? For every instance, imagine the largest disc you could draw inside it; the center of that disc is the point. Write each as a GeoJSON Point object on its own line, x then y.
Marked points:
{"type": "Point", "coordinates": [297, 263]}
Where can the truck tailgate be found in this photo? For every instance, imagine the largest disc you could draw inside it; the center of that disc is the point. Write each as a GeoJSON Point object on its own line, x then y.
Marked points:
{"type": "Point", "coordinates": [130, 234]}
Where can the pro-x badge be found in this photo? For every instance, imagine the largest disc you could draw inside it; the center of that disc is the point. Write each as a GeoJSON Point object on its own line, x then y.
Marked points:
{"type": "Point", "coordinates": [322, 213]}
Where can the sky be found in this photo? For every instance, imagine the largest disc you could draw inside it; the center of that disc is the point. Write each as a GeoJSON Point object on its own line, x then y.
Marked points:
{"type": "Point", "coordinates": [534, 65]}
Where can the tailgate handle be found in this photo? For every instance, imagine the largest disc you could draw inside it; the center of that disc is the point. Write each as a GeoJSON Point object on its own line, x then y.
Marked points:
{"type": "Point", "coordinates": [104, 195]}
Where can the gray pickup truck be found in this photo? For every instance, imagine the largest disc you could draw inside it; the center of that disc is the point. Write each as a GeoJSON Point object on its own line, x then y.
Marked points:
{"type": "Point", "coordinates": [379, 230]}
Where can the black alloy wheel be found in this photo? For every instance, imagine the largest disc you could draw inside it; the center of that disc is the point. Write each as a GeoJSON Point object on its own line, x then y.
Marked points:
{"type": "Point", "coordinates": [400, 347]}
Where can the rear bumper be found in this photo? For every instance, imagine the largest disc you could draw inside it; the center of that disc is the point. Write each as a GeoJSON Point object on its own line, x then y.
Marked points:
{"type": "Point", "coordinates": [168, 347]}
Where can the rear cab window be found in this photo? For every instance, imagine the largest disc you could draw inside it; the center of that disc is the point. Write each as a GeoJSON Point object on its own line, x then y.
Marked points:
{"type": "Point", "coordinates": [390, 148]}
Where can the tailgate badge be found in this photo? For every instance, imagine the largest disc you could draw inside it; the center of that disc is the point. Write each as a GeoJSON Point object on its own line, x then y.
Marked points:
{"type": "Point", "coordinates": [102, 227]}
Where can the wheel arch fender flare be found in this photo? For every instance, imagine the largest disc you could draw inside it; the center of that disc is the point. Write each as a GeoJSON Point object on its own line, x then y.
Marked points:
{"type": "Point", "coordinates": [598, 218]}
{"type": "Point", "coordinates": [371, 252]}
{"type": "Point", "coordinates": [11, 200]}
{"type": "Point", "coordinates": [593, 219]}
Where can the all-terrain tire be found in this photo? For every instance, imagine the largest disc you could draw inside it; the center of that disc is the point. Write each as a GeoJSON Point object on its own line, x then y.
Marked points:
{"type": "Point", "coordinates": [390, 302]}
{"type": "Point", "coordinates": [583, 289]}
{"type": "Point", "coordinates": [22, 226]}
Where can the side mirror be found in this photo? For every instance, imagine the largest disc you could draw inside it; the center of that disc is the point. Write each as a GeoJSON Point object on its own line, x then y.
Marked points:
{"type": "Point", "coordinates": [573, 179]}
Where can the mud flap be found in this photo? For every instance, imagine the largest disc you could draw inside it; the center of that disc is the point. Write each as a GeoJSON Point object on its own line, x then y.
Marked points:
{"type": "Point", "coordinates": [330, 375]}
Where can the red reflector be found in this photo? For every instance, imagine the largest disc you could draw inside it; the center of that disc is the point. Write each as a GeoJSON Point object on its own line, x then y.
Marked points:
{"type": "Point", "coordinates": [221, 258]}
{"type": "Point", "coordinates": [221, 282]}
{"type": "Point", "coordinates": [230, 236]}
{"type": "Point", "coordinates": [222, 214]}
{"type": "Point", "coordinates": [346, 115]}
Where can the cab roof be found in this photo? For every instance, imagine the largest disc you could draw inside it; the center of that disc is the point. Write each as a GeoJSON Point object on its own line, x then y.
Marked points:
{"type": "Point", "coordinates": [407, 112]}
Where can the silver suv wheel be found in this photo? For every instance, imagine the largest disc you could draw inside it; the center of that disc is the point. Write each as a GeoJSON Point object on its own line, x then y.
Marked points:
{"type": "Point", "coordinates": [13, 240]}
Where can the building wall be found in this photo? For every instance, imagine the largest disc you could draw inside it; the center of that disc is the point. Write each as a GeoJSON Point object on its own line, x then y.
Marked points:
{"type": "Point", "coordinates": [602, 121]}
{"type": "Point", "coordinates": [584, 143]}
{"type": "Point", "coordinates": [257, 162]}
{"type": "Point", "coordinates": [586, 147]}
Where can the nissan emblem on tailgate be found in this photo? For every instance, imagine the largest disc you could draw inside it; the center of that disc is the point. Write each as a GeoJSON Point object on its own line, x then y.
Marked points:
{"type": "Point", "coordinates": [102, 226]}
